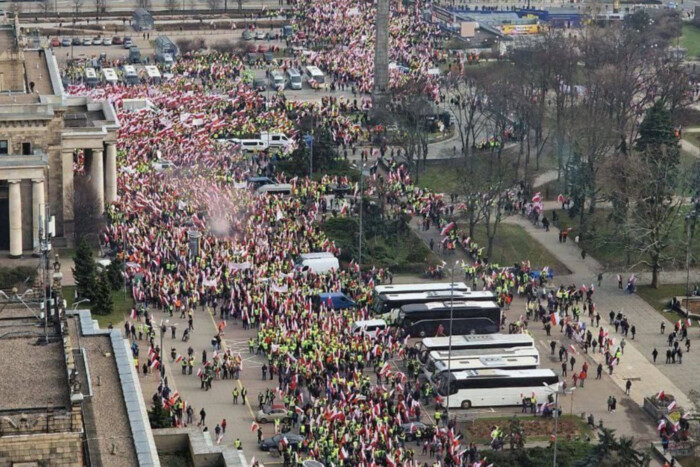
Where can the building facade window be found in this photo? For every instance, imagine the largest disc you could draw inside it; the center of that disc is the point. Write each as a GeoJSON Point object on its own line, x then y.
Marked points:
{"type": "Point", "coordinates": [4, 147]}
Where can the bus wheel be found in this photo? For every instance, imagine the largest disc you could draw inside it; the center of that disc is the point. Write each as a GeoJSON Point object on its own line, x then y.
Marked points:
{"type": "Point", "coordinates": [422, 333]}
{"type": "Point", "coordinates": [466, 405]}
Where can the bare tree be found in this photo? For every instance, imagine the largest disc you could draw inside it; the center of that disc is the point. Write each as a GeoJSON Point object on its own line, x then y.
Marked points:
{"type": "Point", "coordinates": [77, 6]}
{"type": "Point", "coordinates": [14, 8]}
{"type": "Point", "coordinates": [464, 99]}
{"type": "Point", "coordinates": [46, 6]}
{"type": "Point", "coordinates": [172, 5]}
{"type": "Point", "coordinates": [214, 4]}
{"type": "Point", "coordinates": [144, 3]}
{"type": "Point", "coordinates": [86, 208]}
{"type": "Point", "coordinates": [100, 8]}
{"type": "Point", "coordinates": [410, 116]}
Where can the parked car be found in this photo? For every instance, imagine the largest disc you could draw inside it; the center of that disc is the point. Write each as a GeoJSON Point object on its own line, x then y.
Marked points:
{"type": "Point", "coordinates": [269, 57]}
{"type": "Point", "coordinates": [116, 40]}
{"type": "Point", "coordinates": [76, 41]}
{"type": "Point", "coordinates": [107, 41]}
{"type": "Point", "coordinates": [87, 41]}
{"type": "Point", "coordinates": [97, 40]}
{"type": "Point", "coordinates": [55, 42]}
{"type": "Point", "coordinates": [268, 414]}
{"type": "Point", "coordinates": [259, 84]}
{"type": "Point", "coordinates": [272, 443]}
{"type": "Point", "coordinates": [65, 42]}
{"type": "Point", "coordinates": [261, 35]}
{"type": "Point", "coordinates": [263, 48]}
{"type": "Point", "coordinates": [247, 35]}
{"type": "Point", "coordinates": [128, 42]}
{"type": "Point", "coordinates": [410, 429]}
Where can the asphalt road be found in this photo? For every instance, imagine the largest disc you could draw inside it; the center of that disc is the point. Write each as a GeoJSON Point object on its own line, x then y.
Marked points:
{"type": "Point", "coordinates": [628, 419]}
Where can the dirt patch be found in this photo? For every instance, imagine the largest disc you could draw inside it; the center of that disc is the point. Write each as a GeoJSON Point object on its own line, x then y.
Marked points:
{"type": "Point", "coordinates": [535, 427]}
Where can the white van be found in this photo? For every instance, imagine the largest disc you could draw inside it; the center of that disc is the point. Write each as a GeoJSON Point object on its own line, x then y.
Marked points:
{"type": "Point", "coordinates": [91, 77]}
{"type": "Point", "coordinates": [250, 144]}
{"type": "Point", "coordinates": [130, 75]}
{"type": "Point", "coordinates": [276, 79]}
{"type": "Point", "coordinates": [368, 328]}
{"type": "Point", "coordinates": [275, 140]}
{"type": "Point", "coordinates": [294, 78]}
{"type": "Point", "coordinates": [284, 189]}
{"type": "Point", "coordinates": [318, 263]}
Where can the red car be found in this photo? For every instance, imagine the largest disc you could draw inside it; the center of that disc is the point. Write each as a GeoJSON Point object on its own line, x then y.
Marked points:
{"type": "Point", "coordinates": [55, 42]}
{"type": "Point", "coordinates": [117, 40]}
{"type": "Point", "coordinates": [263, 48]}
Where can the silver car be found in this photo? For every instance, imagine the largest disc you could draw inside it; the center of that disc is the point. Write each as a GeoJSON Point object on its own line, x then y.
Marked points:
{"type": "Point", "coordinates": [268, 414]}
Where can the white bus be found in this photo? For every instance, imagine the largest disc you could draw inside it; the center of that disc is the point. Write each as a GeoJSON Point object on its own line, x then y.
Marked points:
{"type": "Point", "coordinates": [154, 76]}
{"type": "Point", "coordinates": [473, 341]}
{"type": "Point", "coordinates": [316, 74]}
{"type": "Point", "coordinates": [491, 388]}
{"type": "Point", "coordinates": [418, 288]}
{"type": "Point", "coordinates": [526, 360]}
{"type": "Point", "coordinates": [110, 76]}
{"type": "Point", "coordinates": [387, 305]}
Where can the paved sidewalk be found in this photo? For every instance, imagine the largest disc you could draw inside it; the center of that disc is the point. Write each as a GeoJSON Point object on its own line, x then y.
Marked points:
{"type": "Point", "coordinates": [647, 379]}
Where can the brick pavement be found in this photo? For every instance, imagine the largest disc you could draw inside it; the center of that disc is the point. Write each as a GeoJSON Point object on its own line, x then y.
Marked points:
{"type": "Point", "coordinates": [637, 361]}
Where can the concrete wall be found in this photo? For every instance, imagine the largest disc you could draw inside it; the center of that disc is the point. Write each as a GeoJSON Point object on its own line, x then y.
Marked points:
{"type": "Point", "coordinates": [199, 445]}
{"type": "Point", "coordinates": [60, 449]}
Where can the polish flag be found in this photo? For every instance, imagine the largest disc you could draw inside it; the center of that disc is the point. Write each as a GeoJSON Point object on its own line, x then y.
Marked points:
{"type": "Point", "coordinates": [199, 373]}
{"type": "Point", "coordinates": [447, 228]}
{"type": "Point", "coordinates": [561, 198]}
{"type": "Point", "coordinates": [662, 424]}
{"type": "Point", "coordinates": [179, 358]}
{"type": "Point", "coordinates": [389, 461]}
{"type": "Point", "coordinates": [155, 364]}
{"type": "Point", "coordinates": [254, 427]}
{"type": "Point", "coordinates": [672, 406]}
{"type": "Point", "coordinates": [688, 323]}
{"type": "Point", "coordinates": [572, 349]}
{"type": "Point", "coordinates": [660, 396]}
{"type": "Point", "coordinates": [134, 313]}
{"type": "Point", "coordinates": [537, 198]}
{"type": "Point", "coordinates": [384, 369]}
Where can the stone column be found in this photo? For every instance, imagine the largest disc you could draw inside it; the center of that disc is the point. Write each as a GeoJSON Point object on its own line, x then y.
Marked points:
{"type": "Point", "coordinates": [381, 59]}
{"type": "Point", "coordinates": [67, 185]}
{"type": "Point", "coordinates": [38, 211]}
{"type": "Point", "coordinates": [111, 174]}
{"type": "Point", "coordinates": [15, 219]}
{"type": "Point", "coordinates": [97, 174]}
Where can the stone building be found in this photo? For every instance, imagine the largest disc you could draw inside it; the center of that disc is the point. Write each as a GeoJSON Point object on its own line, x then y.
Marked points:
{"type": "Point", "coordinates": [42, 133]}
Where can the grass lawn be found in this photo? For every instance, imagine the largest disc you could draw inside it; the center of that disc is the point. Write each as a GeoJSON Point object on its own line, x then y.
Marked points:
{"type": "Point", "coordinates": [693, 138]}
{"type": "Point", "coordinates": [690, 40]}
{"type": "Point", "coordinates": [439, 179]}
{"type": "Point", "coordinates": [513, 245]}
{"type": "Point", "coordinates": [609, 248]}
{"type": "Point", "coordinates": [122, 306]}
{"type": "Point", "coordinates": [659, 299]}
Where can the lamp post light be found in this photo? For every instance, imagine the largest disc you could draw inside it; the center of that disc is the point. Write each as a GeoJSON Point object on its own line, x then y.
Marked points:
{"type": "Point", "coordinates": [690, 219]}
{"type": "Point", "coordinates": [449, 342]}
{"type": "Point", "coordinates": [75, 305]}
{"type": "Point", "coordinates": [363, 173]}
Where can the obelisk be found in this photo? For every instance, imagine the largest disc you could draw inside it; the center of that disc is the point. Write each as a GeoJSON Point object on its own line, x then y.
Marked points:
{"type": "Point", "coordinates": [380, 92]}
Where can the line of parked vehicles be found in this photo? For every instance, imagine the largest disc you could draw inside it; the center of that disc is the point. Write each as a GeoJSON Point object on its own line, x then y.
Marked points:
{"type": "Point", "coordinates": [124, 41]}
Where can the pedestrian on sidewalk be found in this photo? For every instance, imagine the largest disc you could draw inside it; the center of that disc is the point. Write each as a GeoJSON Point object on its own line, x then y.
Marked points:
{"type": "Point", "coordinates": [553, 346]}
{"type": "Point", "coordinates": [654, 354]}
{"type": "Point", "coordinates": [599, 371]}
{"type": "Point", "coordinates": [563, 368]}
{"type": "Point", "coordinates": [687, 345]}
{"type": "Point", "coordinates": [244, 393]}
{"type": "Point", "coordinates": [610, 402]}
{"type": "Point", "coordinates": [582, 377]}
{"type": "Point", "coordinates": [669, 354]}
{"type": "Point", "coordinates": [573, 362]}
{"type": "Point", "coordinates": [264, 372]}
{"type": "Point", "coordinates": [663, 327]}
{"type": "Point", "coordinates": [619, 281]}
{"type": "Point", "coordinates": [202, 417]}
{"type": "Point", "coordinates": [680, 356]}
{"type": "Point", "coordinates": [633, 330]}
{"type": "Point", "coordinates": [234, 393]}
{"type": "Point", "coordinates": [628, 386]}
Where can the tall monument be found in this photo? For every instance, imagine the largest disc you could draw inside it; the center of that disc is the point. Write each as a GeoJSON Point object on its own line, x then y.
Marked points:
{"type": "Point", "coordinates": [380, 93]}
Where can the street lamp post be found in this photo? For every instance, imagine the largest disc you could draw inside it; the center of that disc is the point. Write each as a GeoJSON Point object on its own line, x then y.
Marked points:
{"type": "Point", "coordinates": [689, 219]}
{"type": "Point", "coordinates": [550, 389]}
{"type": "Point", "coordinates": [449, 344]}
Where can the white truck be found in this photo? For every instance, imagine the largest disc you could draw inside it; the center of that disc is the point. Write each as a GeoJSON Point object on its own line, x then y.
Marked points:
{"type": "Point", "coordinates": [138, 104]}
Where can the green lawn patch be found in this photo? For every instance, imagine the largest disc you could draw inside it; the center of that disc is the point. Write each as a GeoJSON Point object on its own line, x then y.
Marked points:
{"type": "Point", "coordinates": [660, 298]}
{"type": "Point", "coordinates": [385, 244]}
{"type": "Point", "coordinates": [440, 179]}
{"type": "Point", "coordinates": [514, 245]}
{"type": "Point", "coordinates": [693, 138]}
{"type": "Point", "coordinates": [609, 247]}
{"type": "Point", "coordinates": [122, 306]}
{"type": "Point", "coordinates": [536, 428]}
{"type": "Point", "coordinates": [690, 40]}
